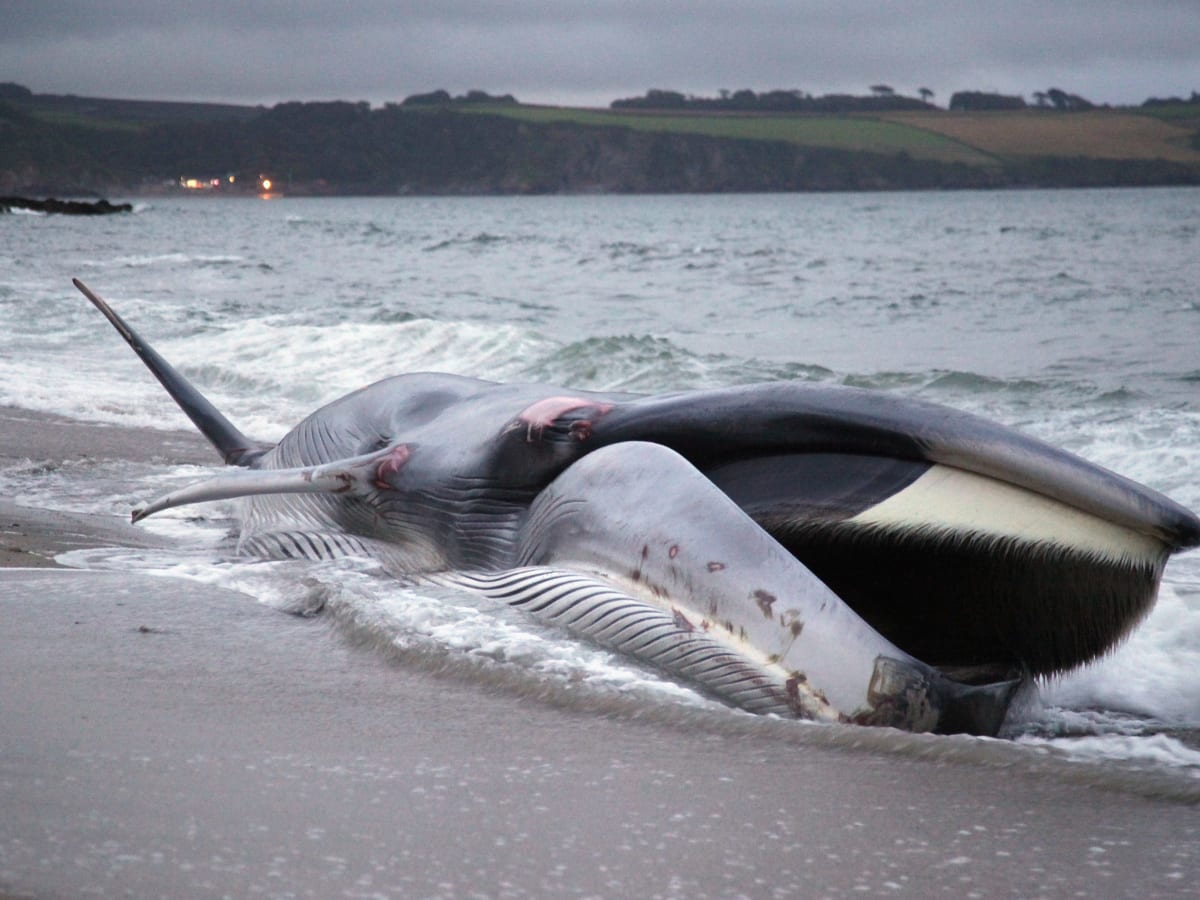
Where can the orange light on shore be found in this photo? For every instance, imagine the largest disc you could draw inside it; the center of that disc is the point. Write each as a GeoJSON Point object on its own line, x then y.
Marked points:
{"type": "Point", "coordinates": [266, 184]}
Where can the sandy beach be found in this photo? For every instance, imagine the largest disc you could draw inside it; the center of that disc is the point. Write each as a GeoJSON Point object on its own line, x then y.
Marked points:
{"type": "Point", "coordinates": [163, 738]}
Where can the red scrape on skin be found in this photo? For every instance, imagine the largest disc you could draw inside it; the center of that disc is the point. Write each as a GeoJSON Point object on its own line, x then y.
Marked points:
{"type": "Point", "coordinates": [543, 413]}
{"type": "Point", "coordinates": [390, 465]}
{"type": "Point", "coordinates": [792, 687]}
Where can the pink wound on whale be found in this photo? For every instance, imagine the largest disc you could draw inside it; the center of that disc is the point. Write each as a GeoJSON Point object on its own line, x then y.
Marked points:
{"type": "Point", "coordinates": [390, 465]}
{"type": "Point", "coordinates": [539, 415]}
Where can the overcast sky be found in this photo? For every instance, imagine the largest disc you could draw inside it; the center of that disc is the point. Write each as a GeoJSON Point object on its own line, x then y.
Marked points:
{"type": "Point", "coordinates": [589, 52]}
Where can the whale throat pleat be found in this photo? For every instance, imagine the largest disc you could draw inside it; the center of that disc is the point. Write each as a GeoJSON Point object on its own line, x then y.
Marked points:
{"type": "Point", "coordinates": [619, 622]}
{"type": "Point", "coordinates": [313, 545]}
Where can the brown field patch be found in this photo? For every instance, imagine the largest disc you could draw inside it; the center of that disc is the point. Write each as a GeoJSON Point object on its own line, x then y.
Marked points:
{"type": "Point", "coordinates": [1099, 134]}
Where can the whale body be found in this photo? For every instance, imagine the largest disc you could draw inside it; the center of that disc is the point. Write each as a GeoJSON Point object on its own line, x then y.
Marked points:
{"type": "Point", "coordinates": [821, 552]}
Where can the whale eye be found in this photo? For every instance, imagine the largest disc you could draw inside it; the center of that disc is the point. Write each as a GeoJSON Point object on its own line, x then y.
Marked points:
{"type": "Point", "coordinates": [373, 446]}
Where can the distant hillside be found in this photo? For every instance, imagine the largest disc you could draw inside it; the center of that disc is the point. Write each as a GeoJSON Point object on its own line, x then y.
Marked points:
{"type": "Point", "coordinates": [1133, 134]}
{"type": "Point", "coordinates": [480, 144]}
{"type": "Point", "coordinates": [102, 112]}
{"type": "Point", "coordinates": [974, 138]}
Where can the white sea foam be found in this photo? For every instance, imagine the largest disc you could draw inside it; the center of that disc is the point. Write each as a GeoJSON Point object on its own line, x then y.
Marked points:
{"type": "Point", "coordinates": [1152, 751]}
{"type": "Point", "coordinates": [166, 260]}
{"type": "Point", "coordinates": [265, 375]}
{"type": "Point", "coordinates": [1151, 674]}
{"type": "Point", "coordinates": [278, 373]}
{"type": "Point", "coordinates": [30, 384]}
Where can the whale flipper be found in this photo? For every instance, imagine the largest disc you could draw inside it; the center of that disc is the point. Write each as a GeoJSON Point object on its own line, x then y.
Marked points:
{"type": "Point", "coordinates": [235, 448]}
{"type": "Point", "coordinates": [356, 475]}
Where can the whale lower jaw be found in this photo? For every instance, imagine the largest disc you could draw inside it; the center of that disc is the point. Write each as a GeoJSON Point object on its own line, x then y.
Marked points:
{"type": "Point", "coordinates": [665, 638]}
{"type": "Point", "coordinates": [903, 694]}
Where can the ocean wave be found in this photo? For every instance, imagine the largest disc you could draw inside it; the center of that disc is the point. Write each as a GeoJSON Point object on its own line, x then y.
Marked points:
{"type": "Point", "coordinates": [1151, 675]}
{"type": "Point", "coordinates": [1153, 752]}
{"type": "Point", "coordinates": [953, 382]}
{"type": "Point", "coordinates": [655, 364]}
{"type": "Point", "coordinates": [481, 240]}
{"type": "Point", "coordinates": [623, 363]}
{"type": "Point", "coordinates": [172, 259]}
{"type": "Point", "coordinates": [273, 373]}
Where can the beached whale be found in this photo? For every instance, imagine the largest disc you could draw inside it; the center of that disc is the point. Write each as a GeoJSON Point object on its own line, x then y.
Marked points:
{"type": "Point", "coordinates": [828, 553]}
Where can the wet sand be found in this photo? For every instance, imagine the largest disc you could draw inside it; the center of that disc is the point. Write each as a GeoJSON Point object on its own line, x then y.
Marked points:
{"type": "Point", "coordinates": [163, 738]}
{"type": "Point", "coordinates": [31, 537]}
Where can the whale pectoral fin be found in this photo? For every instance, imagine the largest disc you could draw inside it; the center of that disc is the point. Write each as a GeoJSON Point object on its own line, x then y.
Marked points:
{"type": "Point", "coordinates": [240, 483]}
{"type": "Point", "coordinates": [234, 447]}
{"type": "Point", "coordinates": [357, 474]}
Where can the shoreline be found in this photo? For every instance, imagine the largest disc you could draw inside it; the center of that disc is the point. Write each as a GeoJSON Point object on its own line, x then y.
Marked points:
{"type": "Point", "coordinates": [31, 537]}
{"type": "Point", "coordinates": [167, 737]}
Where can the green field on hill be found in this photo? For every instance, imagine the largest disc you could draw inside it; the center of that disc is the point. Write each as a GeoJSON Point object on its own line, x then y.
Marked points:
{"type": "Point", "coordinates": [978, 139]}
{"type": "Point", "coordinates": [850, 132]}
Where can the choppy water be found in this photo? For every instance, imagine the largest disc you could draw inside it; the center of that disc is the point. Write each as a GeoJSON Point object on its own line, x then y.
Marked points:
{"type": "Point", "coordinates": [1072, 315]}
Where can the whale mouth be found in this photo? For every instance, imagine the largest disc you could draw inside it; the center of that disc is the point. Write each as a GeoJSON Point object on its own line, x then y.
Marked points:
{"type": "Point", "coordinates": [968, 574]}
{"type": "Point", "coordinates": [964, 602]}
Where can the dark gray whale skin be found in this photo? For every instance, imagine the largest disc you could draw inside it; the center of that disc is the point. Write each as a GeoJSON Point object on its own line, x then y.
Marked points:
{"type": "Point", "coordinates": [436, 472]}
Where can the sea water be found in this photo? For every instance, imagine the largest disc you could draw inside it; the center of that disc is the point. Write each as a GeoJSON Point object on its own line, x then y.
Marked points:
{"type": "Point", "coordinates": [1073, 316]}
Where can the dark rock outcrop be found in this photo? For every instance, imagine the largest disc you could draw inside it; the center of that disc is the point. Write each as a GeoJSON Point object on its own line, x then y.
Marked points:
{"type": "Point", "coordinates": [65, 207]}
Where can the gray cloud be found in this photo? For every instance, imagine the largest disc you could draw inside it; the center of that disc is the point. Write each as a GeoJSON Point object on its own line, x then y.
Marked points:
{"type": "Point", "coordinates": [592, 51]}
